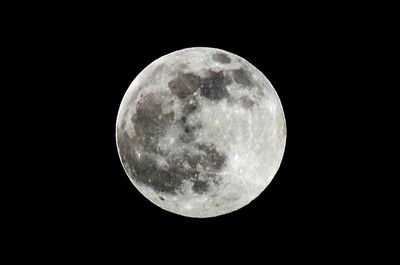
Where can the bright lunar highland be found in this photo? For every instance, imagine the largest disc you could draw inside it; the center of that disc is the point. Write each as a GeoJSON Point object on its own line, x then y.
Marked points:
{"type": "Point", "coordinates": [201, 132]}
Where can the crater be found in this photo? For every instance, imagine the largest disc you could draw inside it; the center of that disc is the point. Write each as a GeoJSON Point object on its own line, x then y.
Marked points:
{"type": "Point", "coordinates": [221, 58]}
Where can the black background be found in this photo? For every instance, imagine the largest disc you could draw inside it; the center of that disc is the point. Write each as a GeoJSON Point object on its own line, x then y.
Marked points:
{"type": "Point", "coordinates": [88, 58]}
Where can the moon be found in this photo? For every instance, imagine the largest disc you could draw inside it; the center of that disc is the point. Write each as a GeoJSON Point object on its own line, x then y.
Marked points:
{"type": "Point", "coordinates": [201, 132]}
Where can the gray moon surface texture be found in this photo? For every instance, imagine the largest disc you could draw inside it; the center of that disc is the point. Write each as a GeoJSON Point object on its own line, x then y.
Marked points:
{"type": "Point", "coordinates": [201, 132]}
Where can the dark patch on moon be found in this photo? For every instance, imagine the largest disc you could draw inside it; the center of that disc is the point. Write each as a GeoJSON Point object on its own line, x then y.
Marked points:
{"type": "Point", "coordinates": [188, 134]}
{"type": "Point", "coordinates": [144, 168]}
{"type": "Point", "coordinates": [211, 161]}
{"type": "Point", "coordinates": [241, 76]}
{"type": "Point", "coordinates": [246, 102]}
{"type": "Point", "coordinates": [150, 122]}
{"type": "Point", "coordinates": [169, 180]}
{"type": "Point", "coordinates": [149, 119]}
{"type": "Point", "coordinates": [221, 57]}
{"type": "Point", "coordinates": [146, 171]}
{"type": "Point", "coordinates": [200, 186]}
{"type": "Point", "coordinates": [215, 160]}
{"type": "Point", "coordinates": [187, 131]}
{"type": "Point", "coordinates": [184, 84]}
{"type": "Point", "coordinates": [214, 86]}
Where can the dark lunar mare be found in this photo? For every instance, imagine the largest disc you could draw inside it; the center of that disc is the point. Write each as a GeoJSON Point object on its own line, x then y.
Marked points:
{"type": "Point", "coordinates": [221, 57]}
{"type": "Point", "coordinates": [246, 102]}
{"type": "Point", "coordinates": [185, 84]}
{"type": "Point", "coordinates": [214, 86]}
{"type": "Point", "coordinates": [241, 76]}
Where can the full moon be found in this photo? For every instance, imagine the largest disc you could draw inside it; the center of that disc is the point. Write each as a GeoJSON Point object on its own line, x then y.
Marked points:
{"type": "Point", "coordinates": [201, 132]}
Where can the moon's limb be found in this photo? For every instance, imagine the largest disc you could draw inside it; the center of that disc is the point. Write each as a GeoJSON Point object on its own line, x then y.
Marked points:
{"type": "Point", "coordinates": [201, 132]}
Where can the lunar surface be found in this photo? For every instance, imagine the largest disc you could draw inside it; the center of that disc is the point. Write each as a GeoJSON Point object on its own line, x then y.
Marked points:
{"type": "Point", "coordinates": [201, 132]}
